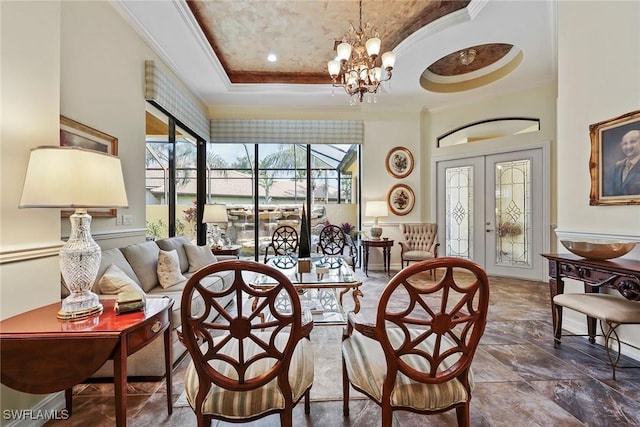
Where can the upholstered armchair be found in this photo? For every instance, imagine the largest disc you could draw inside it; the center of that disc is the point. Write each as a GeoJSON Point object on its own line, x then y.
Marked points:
{"type": "Point", "coordinates": [417, 355]}
{"type": "Point", "coordinates": [248, 360]}
{"type": "Point", "coordinates": [420, 242]}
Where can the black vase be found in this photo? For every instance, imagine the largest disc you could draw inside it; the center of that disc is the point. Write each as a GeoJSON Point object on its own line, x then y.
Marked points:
{"type": "Point", "coordinates": [304, 247]}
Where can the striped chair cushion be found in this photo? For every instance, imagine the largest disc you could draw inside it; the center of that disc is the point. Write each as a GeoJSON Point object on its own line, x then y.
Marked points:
{"type": "Point", "coordinates": [366, 367]}
{"type": "Point", "coordinates": [243, 404]}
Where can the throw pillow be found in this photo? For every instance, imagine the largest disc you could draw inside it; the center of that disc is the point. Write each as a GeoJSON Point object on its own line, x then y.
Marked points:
{"type": "Point", "coordinates": [115, 281]}
{"type": "Point", "coordinates": [199, 256]}
{"type": "Point", "coordinates": [169, 273]}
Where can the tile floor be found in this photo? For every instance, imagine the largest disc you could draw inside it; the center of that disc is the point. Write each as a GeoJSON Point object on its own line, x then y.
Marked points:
{"type": "Point", "coordinates": [521, 379]}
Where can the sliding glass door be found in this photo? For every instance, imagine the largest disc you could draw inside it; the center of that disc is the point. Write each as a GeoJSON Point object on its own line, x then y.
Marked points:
{"type": "Point", "coordinates": [263, 194]}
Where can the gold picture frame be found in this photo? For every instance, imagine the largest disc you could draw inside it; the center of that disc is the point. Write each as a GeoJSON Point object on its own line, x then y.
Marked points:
{"type": "Point", "coordinates": [615, 146]}
{"type": "Point", "coordinates": [401, 199]}
{"type": "Point", "coordinates": [399, 162]}
{"type": "Point", "coordinates": [75, 134]}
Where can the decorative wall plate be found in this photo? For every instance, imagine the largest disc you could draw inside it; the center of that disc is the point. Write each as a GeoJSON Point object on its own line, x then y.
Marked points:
{"type": "Point", "coordinates": [401, 199]}
{"type": "Point", "coordinates": [399, 162]}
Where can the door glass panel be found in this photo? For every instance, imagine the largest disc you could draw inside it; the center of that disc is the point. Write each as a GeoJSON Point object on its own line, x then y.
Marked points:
{"type": "Point", "coordinates": [230, 182]}
{"type": "Point", "coordinates": [157, 175]}
{"type": "Point", "coordinates": [513, 212]}
{"type": "Point", "coordinates": [186, 185]}
{"type": "Point", "coordinates": [282, 177]}
{"type": "Point", "coordinates": [459, 212]}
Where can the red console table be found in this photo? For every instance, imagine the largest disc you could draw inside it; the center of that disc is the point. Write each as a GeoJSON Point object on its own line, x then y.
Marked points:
{"type": "Point", "coordinates": [620, 274]}
{"type": "Point", "coordinates": [41, 354]}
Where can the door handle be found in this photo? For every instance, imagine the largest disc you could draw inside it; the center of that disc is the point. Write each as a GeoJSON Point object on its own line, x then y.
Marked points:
{"type": "Point", "coordinates": [488, 230]}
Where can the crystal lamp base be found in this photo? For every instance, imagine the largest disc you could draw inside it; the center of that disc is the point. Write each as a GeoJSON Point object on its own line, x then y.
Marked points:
{"type": "Point", "coordinates": [80, 305]}
{"type": "Point", "coordinates": [79, 264]}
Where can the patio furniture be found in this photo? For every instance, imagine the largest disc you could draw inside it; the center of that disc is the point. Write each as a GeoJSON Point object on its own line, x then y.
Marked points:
{"type": "Point", "coordinates": [284, 241]}
{"type": "Point", "coordinates": [332, 241]}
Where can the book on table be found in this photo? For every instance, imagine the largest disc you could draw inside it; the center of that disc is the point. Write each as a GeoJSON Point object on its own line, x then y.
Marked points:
{"type": "Point", "coordinates": [129, 301]}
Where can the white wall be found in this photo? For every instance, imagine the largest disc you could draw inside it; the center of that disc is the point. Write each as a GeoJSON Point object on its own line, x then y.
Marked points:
{"type": "Point", "coordinates": [102, 86]}
{"type": "Point", "coordinates": [598, 63]}
{"type": "Point", "coordinates": [29, 116]}
{"type": "Point", "coordinates": [30, 106]}
{"type": "Point", "coordinates": [598, 79]}
{"type": "Point", "coordinates": [536, 103]}
{"type": "Point", "coordinates": [81, 60]}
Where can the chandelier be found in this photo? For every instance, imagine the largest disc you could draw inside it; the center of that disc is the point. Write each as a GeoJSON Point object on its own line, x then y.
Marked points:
{"type": "Point", "coordinates": [356, 67]}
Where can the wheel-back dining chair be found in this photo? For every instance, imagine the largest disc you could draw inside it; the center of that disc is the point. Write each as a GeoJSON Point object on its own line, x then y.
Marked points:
{"type": "Point", "coordinates": [250, 360]}
{"type": "Point", "coordinates": [332, 241]}
{"type": "Point", "coordinates": [417, 356]}
{"type": "Point", "coordinates": [284, 241]}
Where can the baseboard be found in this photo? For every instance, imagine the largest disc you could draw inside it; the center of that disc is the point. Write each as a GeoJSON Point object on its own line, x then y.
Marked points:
{"type": "Point", "coordinates": [52, 407]}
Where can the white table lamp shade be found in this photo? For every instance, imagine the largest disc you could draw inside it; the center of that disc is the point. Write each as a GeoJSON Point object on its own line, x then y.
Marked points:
{"type": "Point", "coordinates": [376, 209]}
{"type": "Point", "coordinates": [215, 213]}
{"type": "Point", "coordinates": [71, 177]}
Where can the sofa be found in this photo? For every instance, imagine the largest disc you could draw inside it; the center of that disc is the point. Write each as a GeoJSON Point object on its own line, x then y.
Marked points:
{"type": "Point", "coordinates": [135, 267]}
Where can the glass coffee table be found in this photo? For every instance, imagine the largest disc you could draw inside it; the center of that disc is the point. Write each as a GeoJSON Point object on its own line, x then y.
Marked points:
{"type": "Point", "coordinates": [321, 290]}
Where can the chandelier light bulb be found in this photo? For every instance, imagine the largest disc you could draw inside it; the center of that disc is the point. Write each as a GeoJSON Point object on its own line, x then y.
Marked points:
{"type": "Point", "coordinates": [373, 46]}
{"type": "Point", "coordinates": [344, 51]}
{"type": "Point", "coordinates": [377, 74]}
{"type": "Point", "coordinates": [388, 60]}
{"type": "Point", "coordinates": [334, 67]}
{"type": "Point", "coordinates": [358, 66]}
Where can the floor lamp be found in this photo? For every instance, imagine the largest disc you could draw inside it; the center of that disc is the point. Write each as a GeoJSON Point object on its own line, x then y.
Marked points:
{"type": "Point", "coordinates": [77, 178]}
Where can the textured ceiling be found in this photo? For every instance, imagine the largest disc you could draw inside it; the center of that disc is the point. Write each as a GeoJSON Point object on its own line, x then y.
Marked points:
{"type": "Point", "coordinates": [302, 33]}
{"type": "Point", "coordinates": [486, 55]}
{"type": "Point", "coordinates": [218, 49]}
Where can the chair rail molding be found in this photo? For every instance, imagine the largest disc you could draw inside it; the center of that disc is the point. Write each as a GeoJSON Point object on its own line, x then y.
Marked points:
{"type": "Point", "coordinates": [28, 252]}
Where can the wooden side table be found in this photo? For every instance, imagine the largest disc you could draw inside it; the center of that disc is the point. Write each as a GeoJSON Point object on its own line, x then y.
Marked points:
{"type": "Point", "coordinates": [386, 246]}
{"type": "Point", "coordinates": [41, 354]}
{"type": "Point", "coordinates": [228, 250]}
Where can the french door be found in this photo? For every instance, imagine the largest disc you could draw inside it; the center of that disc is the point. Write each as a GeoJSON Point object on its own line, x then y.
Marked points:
{"type": "Point", "coordinates": [491, 210]}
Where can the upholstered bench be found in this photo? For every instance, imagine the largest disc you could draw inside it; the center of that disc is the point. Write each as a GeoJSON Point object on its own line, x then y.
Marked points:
{"type": "Point", "coordinates": [610, 309]}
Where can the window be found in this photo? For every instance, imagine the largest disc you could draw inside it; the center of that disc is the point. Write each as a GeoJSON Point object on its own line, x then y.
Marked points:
{"type": "Point", "coordinates": [262, 195]}
{"type": "Point", "coordinates": [263, 186]}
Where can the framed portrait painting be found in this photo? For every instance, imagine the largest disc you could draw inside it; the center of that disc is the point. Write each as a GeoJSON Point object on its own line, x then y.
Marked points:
{"type": "Point", "coordinates": [401, 199]}
{"type": "Point", "coordinates": [615, 161]}
{"type": "Point", "coordinates": [399, 162]}
{"type": "Point", "coordinates": [75, 134]}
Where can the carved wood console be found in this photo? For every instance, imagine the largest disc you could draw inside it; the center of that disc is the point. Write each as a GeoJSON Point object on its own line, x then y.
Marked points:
{"type": "Point", "coordinates": [620, 274]}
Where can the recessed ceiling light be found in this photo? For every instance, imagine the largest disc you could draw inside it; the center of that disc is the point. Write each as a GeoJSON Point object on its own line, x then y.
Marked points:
{"type": "Point", "coordinates": [272, 57]}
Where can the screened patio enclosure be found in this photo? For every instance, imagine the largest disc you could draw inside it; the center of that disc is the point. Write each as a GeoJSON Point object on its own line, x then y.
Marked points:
{"type": "Point", "coordinates": [263, 186]}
